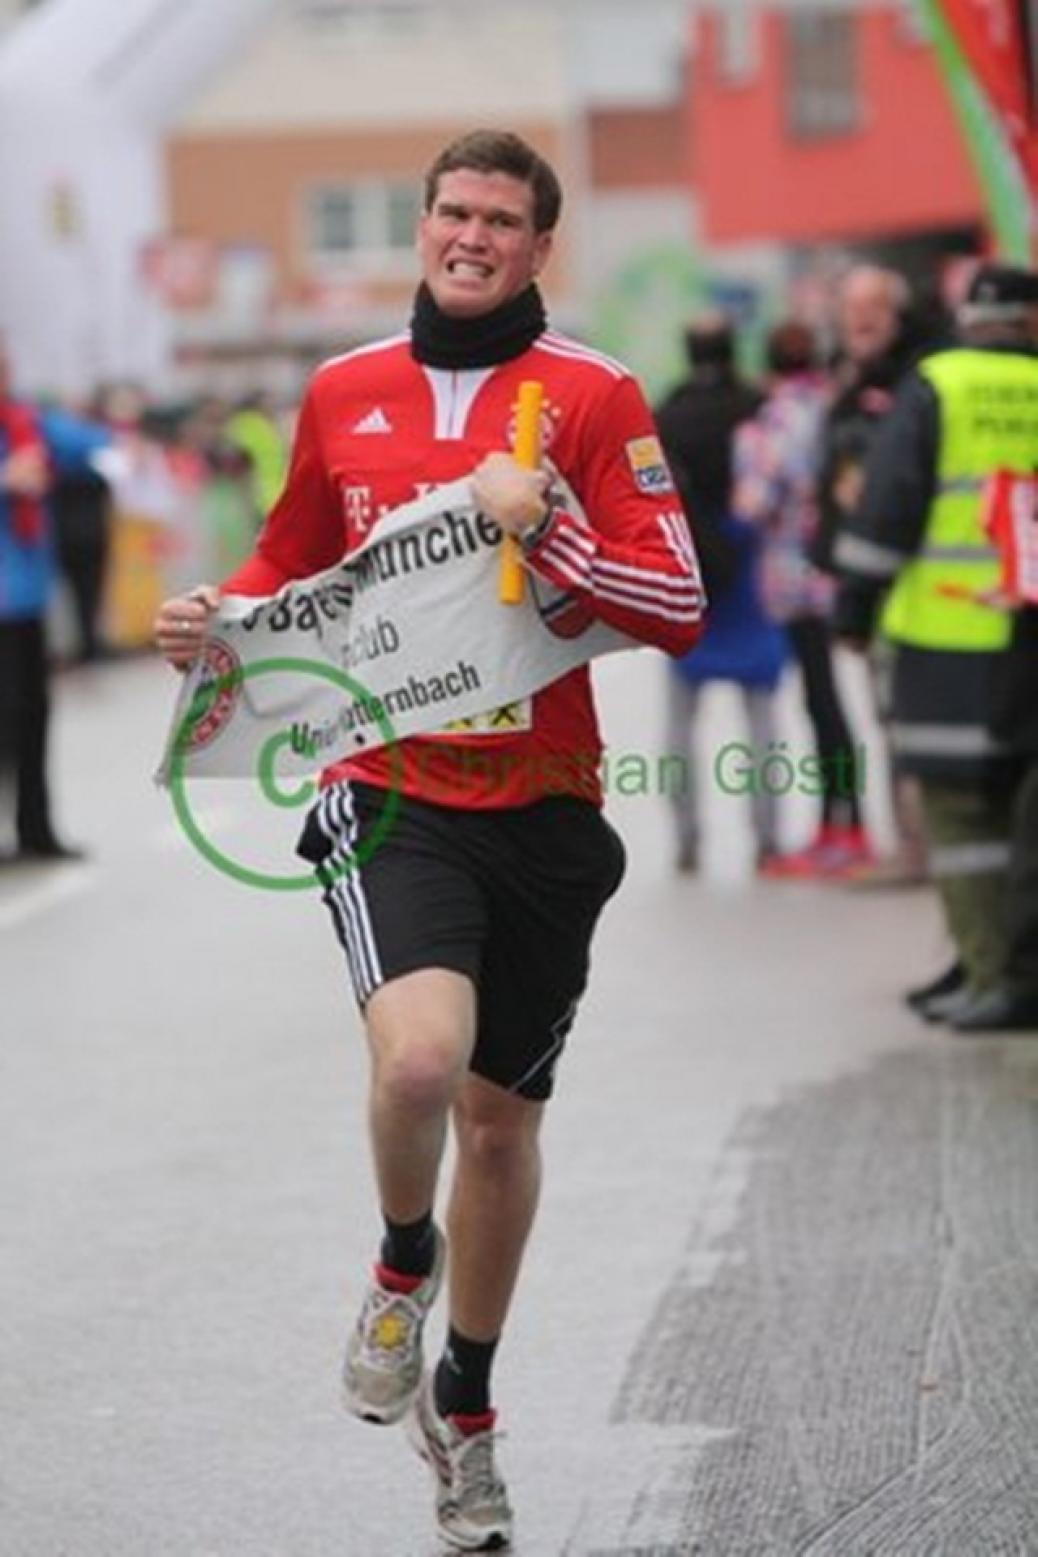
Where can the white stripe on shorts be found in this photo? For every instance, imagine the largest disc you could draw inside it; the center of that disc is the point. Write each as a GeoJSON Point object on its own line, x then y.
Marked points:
{"type": "Point", "coordinates": [559, 1031]}
{"type": "Point", "coordinates": [337, 820]}
{"type": "Point", "coordinates": [326, 823]}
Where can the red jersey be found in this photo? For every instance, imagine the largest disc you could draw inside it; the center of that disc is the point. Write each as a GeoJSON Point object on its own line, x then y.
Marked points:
{"type": "Point", "coordinates": [377, 429]}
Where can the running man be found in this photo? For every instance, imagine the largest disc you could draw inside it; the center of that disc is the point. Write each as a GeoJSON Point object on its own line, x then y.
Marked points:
{"type": "Point", "coordinates": [467, 933]}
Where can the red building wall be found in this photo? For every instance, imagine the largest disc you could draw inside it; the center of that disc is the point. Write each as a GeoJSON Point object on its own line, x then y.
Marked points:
{"type": "Point", "coordinates": [905, 169]}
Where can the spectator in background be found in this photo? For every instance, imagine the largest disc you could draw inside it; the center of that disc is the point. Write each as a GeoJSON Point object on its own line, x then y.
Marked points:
{"type": "Point", "coordinates": [1012, 1002]}
{"type": "Point", "coordinates": [743, 647]}
{"type": "Point", "coordinates": [253, 430]}
{"type": "Point", "coordinates": [776, 473]}
{"type": "Point", "coordinates": [919, 567]}
{"type": "Point", "coordinates": [26, 579]}
{"type": "Point", "coordinates": [878, 340]}
{"type": "Point", "coordinates": [81, 505]}
{"type": "Point", "coordinates": [697, 424]}
{"type": "Point", "coordinates": [228, 515]}
{"type": "Point", "coordinates": [876, 348]}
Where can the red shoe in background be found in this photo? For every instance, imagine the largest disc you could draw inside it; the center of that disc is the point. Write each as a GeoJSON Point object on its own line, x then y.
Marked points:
{"type": "Point", "coordinates": [797, 866]}
{"type": "Point", "coordinates": [835, 853]}
{"type": "Point", "coordinates": [847, 852]}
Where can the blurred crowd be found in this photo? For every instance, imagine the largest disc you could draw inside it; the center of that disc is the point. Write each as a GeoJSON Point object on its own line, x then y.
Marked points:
{"type": "Point", "coordinates": [881, 496]}
{"type": "Point", "coordinates": [104, 506]}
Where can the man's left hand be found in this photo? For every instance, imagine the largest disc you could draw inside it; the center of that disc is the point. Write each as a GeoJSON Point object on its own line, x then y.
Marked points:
{"type": "Point", "coordinates": [513, 497]}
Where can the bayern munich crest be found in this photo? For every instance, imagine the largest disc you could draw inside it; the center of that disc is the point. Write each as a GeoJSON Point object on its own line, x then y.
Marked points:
{"type": "Point", "coordinates": [549, 423]}
{"type": "Point", "coordinates": [220, 680]}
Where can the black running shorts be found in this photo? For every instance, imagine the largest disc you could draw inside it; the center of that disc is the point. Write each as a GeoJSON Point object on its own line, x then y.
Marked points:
{"type": "Point", "coordinates": [509, 898]}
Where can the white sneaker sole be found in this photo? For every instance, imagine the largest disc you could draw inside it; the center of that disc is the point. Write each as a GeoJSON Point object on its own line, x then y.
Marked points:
{"type": "Point", "coordinates": [384, 1416]}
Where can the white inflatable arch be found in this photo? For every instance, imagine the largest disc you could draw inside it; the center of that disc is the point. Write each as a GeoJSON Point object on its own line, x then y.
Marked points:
{"type": "Point", "coordinates": [87, 90]}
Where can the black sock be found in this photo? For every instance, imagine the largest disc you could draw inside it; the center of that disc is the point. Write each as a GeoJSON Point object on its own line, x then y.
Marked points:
{"type": "Point", "coordinates": [409, 1247]}
{"type": "Point", "coordinates": [461, 1384]}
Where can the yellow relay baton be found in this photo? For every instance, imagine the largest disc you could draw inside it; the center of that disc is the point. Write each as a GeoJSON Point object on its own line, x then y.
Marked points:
{"type": "Point", "coordinates": [511, 580]}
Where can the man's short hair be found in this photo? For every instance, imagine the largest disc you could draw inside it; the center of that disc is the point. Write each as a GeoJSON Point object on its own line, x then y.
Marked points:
{"type": "Point", "coordinates": [500, 151]}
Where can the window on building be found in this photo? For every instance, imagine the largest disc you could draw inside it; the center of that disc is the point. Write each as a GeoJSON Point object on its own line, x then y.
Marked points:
{"type": "Point", "coordinates": [913, 23]}
{"type": "Point", "coordinates": [822, 92]}
{"type": "Point", "coordinates": [362, 226]}
{"type": "Point", "coordinates": [738, 40]}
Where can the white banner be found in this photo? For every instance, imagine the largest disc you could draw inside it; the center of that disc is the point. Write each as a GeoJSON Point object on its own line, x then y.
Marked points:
{"type": "Point", "coordinates": [403, 638]}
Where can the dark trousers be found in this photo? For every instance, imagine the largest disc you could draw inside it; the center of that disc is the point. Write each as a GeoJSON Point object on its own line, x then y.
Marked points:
{"type": "Point", "coordinates": [1022, 889]}
{"type": "Point", "coordinates": [811, 642]}
{"type": "Point", "coordinates": [82, 527]}
{"type": "Point", "coordinates": [84, 567]}
{"type": "Point", "coordinates": [968, 833]}
{"type": "Point", "coordinates": [24, 711]}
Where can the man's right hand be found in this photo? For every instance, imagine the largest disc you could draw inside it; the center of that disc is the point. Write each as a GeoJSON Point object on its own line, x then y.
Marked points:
{"type": "Point", "coordinates": [509, 494]}
{"type": "Point", "coordinates": [180, 626]}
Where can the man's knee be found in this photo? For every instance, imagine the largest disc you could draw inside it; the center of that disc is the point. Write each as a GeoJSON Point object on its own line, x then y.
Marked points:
{"type": "Point", "coordinates": [420, 1074]}
{"type": "Point", "coordinates": [496, 1129]}
{"type": "Point", "coordinates": [420, 1031]}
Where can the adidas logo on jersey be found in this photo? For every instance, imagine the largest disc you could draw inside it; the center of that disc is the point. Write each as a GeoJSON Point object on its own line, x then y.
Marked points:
{"type": "Point", "coordinates": [376, 421]}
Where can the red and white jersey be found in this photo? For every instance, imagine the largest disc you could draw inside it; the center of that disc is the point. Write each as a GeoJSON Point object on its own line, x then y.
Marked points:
{"type": "Point", "coordinates": [378, 429]}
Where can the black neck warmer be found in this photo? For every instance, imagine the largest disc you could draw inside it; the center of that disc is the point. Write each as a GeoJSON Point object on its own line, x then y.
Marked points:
{"type": "Point", "coordinates": [442, 341]}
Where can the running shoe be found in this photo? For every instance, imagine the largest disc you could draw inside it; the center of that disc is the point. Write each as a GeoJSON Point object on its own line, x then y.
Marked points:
{"type": "Point", "coordinates": [949, 982]}
{"type": "Point", "coordinates": [383, 1366]}
{"type": "Point", "coordinates": [472, 1509]}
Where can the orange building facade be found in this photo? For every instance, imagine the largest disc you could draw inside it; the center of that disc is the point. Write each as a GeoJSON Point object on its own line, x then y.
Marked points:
{"type": "Point", "coordinates": [811, 127]}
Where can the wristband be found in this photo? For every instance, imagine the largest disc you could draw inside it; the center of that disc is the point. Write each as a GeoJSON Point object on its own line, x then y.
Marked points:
{"type": "Point", "coordinates": [529, 536]}
{"type": "Point", "coordinates": [532, 533]}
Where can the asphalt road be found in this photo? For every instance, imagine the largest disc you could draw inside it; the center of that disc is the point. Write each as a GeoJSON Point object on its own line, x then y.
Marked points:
{"type": "Point", "coordinates": [781, 1297]}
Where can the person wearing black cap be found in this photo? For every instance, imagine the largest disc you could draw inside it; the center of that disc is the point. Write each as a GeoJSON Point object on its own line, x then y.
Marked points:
{"type": "Point", "coordinates": [696, 424]}
{"type": "Point", "coordinates": [918, 568]}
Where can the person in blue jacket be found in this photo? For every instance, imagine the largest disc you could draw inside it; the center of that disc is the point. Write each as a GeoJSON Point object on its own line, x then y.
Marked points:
{"type": "Point", "coordinates": [26, 579]}
{"type": "Point", "coordinates": [743, 647]}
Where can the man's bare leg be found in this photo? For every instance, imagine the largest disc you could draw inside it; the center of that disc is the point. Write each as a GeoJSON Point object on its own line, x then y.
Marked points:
{"type": "Point", "coordinates": [492, 1205]}
{"type": "Point", "coordinates": [421, 1030]}
{"type": "Point", "coordinates": [493, 1201]}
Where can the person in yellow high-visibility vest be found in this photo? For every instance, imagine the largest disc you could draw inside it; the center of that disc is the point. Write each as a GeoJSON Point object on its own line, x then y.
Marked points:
{"type": "Point", "coordinates": [253, 429]}
{"type": "Point", "coordinates": [919, 569]}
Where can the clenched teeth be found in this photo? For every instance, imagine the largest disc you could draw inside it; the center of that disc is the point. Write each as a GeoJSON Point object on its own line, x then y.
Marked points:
{"type": "Point", "coordinates": [469, 268]}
